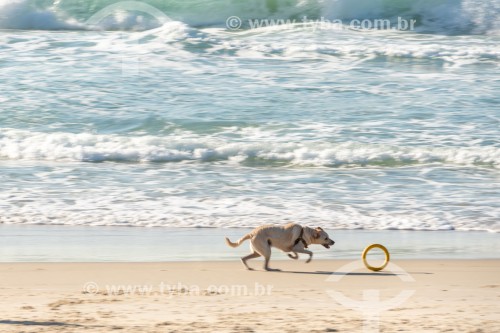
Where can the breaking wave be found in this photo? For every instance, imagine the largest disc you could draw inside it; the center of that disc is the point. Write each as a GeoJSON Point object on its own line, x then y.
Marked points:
{"type": "Point", "coordinates": [440, 16]}
{"type": "Point", "coordinates": [86, 147]}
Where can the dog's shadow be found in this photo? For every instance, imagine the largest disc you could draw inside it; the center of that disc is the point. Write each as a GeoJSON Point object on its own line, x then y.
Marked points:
{"type": "Point", "coordinates": [350, 273]}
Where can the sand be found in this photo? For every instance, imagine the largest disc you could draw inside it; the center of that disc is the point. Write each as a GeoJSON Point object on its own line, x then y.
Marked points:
{"type": "Point", "coordinates": [323, 296]}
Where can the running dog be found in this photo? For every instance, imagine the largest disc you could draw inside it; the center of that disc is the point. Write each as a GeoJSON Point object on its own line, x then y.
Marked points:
{"type": "Point", "coordinates": [288, 238]}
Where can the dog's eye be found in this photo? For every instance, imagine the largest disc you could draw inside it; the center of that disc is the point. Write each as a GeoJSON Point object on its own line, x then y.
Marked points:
{"type": "Point", "coordinates": [326, 238]}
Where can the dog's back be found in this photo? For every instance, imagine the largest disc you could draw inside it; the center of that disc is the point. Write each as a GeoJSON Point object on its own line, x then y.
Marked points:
{"type": "Point", "coordinates": [281, 237]}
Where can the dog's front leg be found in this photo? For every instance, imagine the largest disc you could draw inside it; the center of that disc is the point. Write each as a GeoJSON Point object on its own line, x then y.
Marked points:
{"type": "Point", "coordinates": [302, 250]}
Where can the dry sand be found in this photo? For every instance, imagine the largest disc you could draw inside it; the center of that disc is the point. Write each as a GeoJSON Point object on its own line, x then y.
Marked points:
{"type": "Point", "coordinates": [445, 296]}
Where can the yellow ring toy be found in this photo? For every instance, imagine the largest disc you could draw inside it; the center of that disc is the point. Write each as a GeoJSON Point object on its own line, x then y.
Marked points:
{"type": "Point", "coordinates": [387, 257]}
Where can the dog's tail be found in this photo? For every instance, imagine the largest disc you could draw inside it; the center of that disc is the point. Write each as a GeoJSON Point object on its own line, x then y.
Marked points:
{"type": "Point", "coordinates": [238, 243]}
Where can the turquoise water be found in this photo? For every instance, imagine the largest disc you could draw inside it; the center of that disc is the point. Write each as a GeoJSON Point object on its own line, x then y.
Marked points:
{"type": "Point", "coordinates": [179, 121]}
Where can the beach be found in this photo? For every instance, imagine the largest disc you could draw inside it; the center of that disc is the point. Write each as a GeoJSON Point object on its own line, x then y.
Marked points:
{"type": "Point", "coordinates": [132, 279]}
{"type": "Point", "coordinates": [136, 135]}
{"type": "Point", "coordinates": [445, 296]}
{"type": "Point", "coordinates": [105, 279]}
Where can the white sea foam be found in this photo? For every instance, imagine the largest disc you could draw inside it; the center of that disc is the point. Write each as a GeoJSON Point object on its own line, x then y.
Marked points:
{"type": "Point", "coordinates": [26, 145]}
{"type": "Point", "coordinates": [119, 206]}
{"type": "Point", "coordinates": [366, 47]}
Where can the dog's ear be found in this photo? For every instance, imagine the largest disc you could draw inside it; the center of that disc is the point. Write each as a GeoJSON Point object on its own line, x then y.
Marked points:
{"type": "Point", "coordinates": [317, 232]}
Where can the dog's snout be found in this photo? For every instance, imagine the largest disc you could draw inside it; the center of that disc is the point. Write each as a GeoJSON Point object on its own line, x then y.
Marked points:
{"type": "Point", "coordinates": [333, 242]}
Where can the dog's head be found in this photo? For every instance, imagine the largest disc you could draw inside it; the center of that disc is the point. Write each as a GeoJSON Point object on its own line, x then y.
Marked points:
{"type": "Point", "coordinates": [319, 236]}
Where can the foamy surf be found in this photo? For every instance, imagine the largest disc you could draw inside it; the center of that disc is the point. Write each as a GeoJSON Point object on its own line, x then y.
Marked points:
{"type": "Point", "coordinates": [141, 199]}
{"type": "Point", "coordinates": [86, 147]}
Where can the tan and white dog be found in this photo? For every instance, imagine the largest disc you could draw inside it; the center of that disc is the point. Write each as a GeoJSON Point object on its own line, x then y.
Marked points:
{"type": "Point", "coordinates": [288, 238]}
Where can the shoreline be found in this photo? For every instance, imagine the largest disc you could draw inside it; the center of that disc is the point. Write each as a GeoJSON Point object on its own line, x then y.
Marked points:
{"type": "Point", "coordinates": [46, 243]}
{"type": "Point", "coordinates": [221, 296]}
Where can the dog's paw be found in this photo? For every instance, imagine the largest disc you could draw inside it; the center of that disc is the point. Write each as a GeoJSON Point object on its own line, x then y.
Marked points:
{"type": "Point", "coordinates": [293, 257]}
{"type": "Point", "coordinates": [308, 261]}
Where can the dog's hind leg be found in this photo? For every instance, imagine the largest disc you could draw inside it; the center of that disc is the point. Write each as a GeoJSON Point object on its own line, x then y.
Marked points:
{"type": "Point", "coordinates": [294, 256]}
{"type": "Point", "coordinates": [250, 256]}
{"type": "Point", "coordinates": [267, 257]}
{"type": "Point", "coordinates": [263, 247]}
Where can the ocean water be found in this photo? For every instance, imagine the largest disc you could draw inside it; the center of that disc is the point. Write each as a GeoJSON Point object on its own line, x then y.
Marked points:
{"type": "Point", "coordinates": [156, 113]}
